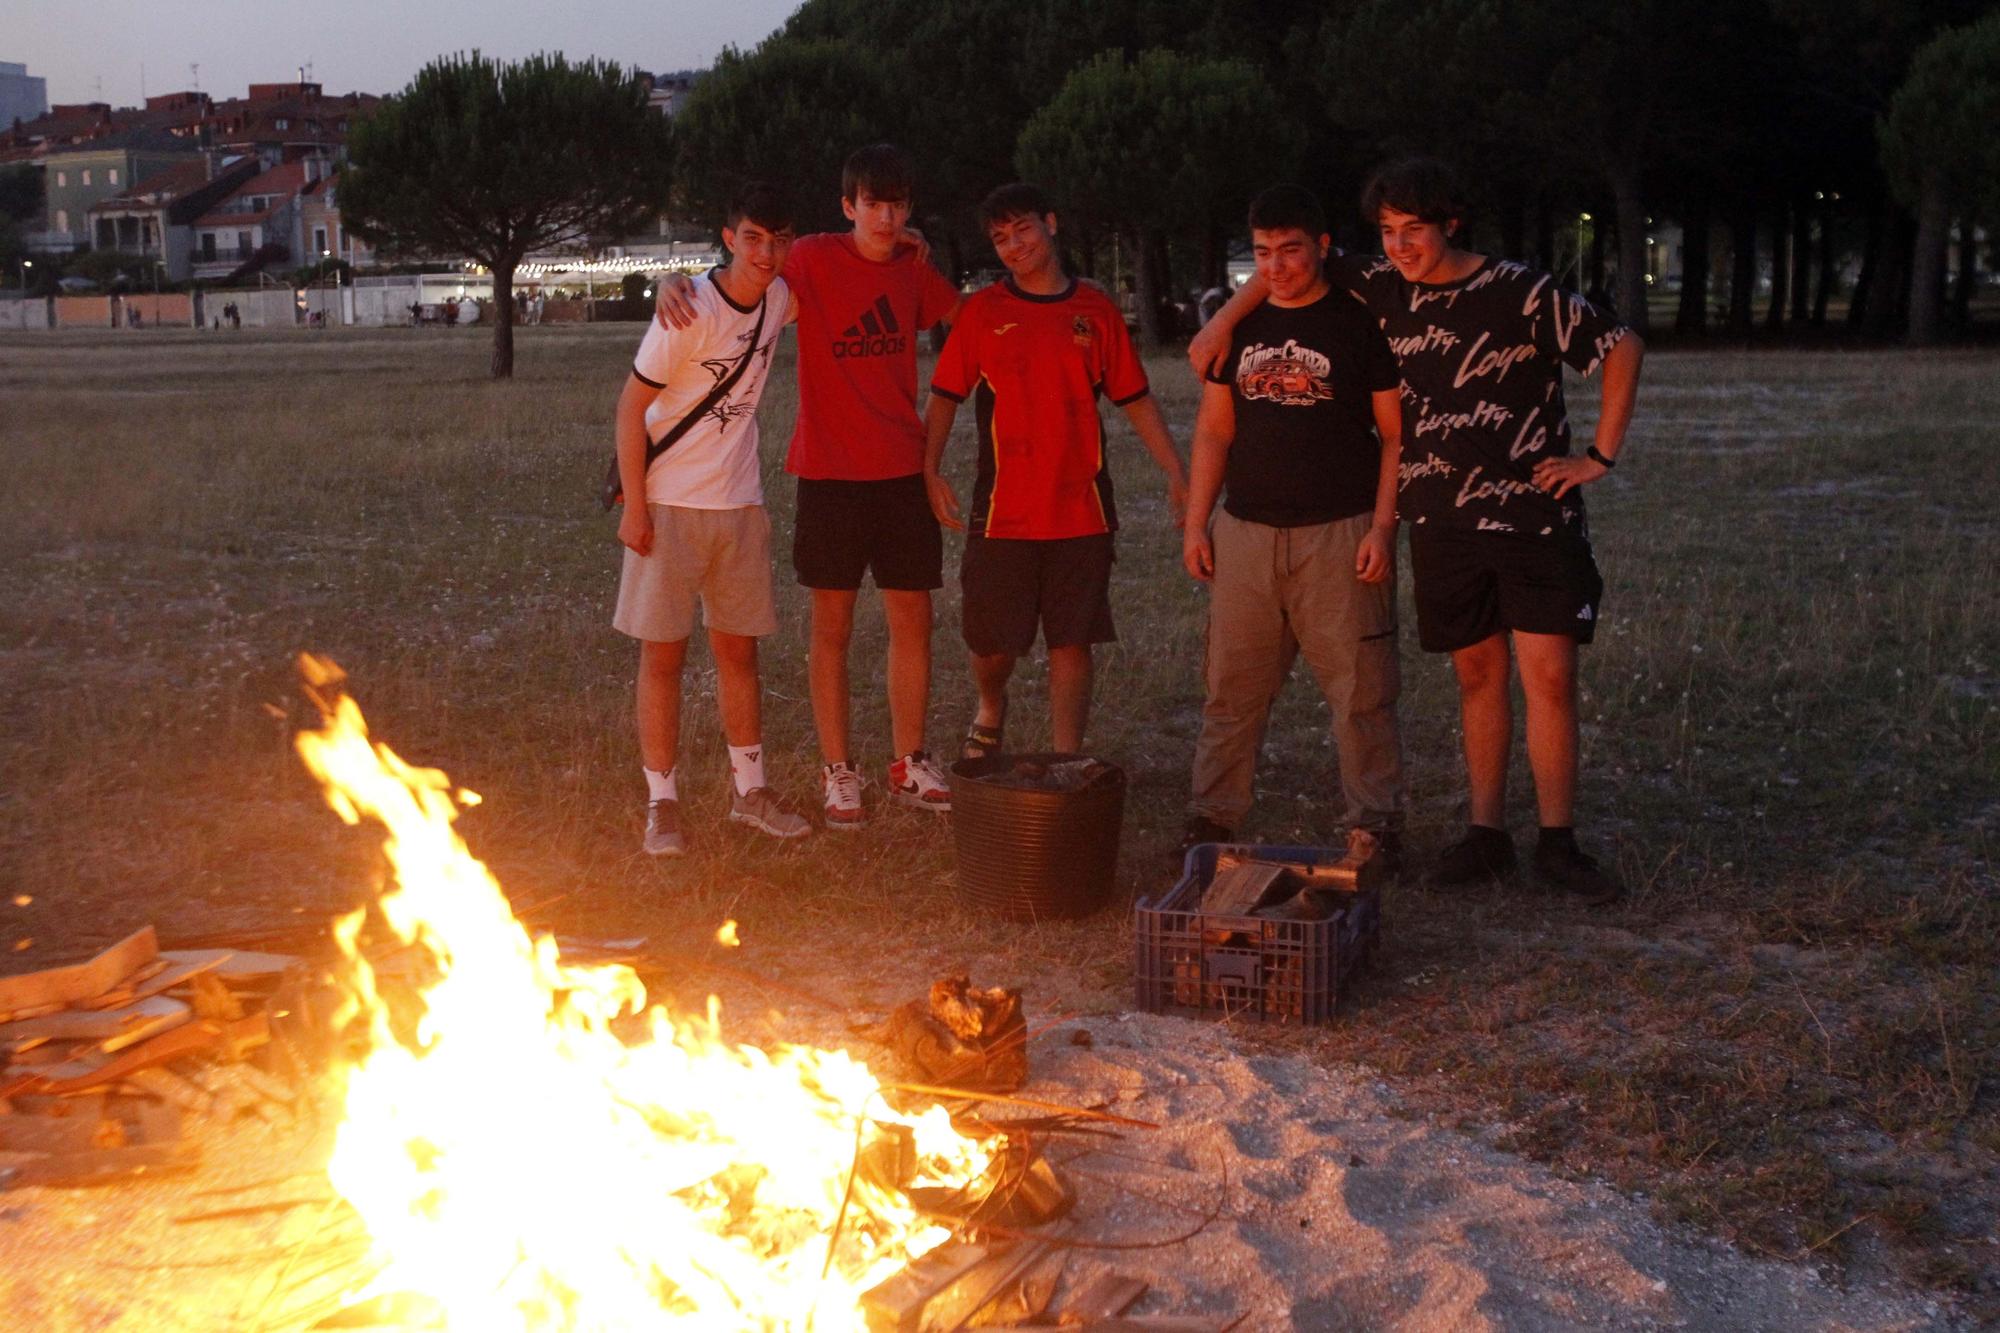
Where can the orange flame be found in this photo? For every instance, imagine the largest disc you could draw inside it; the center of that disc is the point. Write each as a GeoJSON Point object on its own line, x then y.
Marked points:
{"type": "Point", "coordinates": [524, 1166]}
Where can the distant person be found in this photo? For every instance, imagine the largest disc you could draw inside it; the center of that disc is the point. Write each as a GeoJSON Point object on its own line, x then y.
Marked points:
{"type": "Point", "coordinates": [451, 314]}
{"type": "Point", "coordinates": [1301, 429]}
{"type": "Point", "coordinates": [134, 318]}
{"type": "Point", "coordinates": [858, 452]}
{"type": "Point", "coordinates": [416, 314]}
{"type": "Point", "coordinates": [1037, 349]}
{"type": "Point", "coordinates": [694, 526]}
{"type": "Point", "coordinates": [1499, 546]}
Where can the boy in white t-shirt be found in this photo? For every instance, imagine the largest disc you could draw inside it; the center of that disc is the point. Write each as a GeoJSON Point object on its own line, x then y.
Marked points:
{"type": "Point", "coordinates": [700, 531]}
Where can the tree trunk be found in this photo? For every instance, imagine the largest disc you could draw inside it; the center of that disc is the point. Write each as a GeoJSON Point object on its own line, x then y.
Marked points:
{"type": "Point", "coordinates": [1692, 317]}
{"type": "Point", "coordinates": [1871, 266]}
{"type": "Point", "coordinates": [1595, 282]}
{"type": "Point", "coordinates": [1742, 269]}
{"type": "Point", "coordinates": [1214, 255]}
{"type": "Point", "coordinates": [503, 317]}
{"type": "Point", "coordinates": [1781, 270]}
{"type": "Point", "coordinates": [1801, 259]}
{"type": "Point", "coordinates": [1829, 276]}
{"type": "Point", "coordinates": [1151, 333]}
{"type": "Point", "coordinates": [1968, 273]}
{"type": "Point", "coordinates": [1889, 305]}
{"type": "Point", "coordinates": [1927, 265]}
{"type": "Point", "coordinates": [1632, 289]}
{"type": "Point", "coordinates": [1545, 238]}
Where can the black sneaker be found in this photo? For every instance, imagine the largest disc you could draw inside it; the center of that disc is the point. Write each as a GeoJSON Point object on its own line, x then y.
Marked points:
{"type": "Point", "coordinates": [1198, 830]}
{"type": "Point", "coordinates": [1565, 866]}
{"type": "Point", "coordinates": [1483, 854]}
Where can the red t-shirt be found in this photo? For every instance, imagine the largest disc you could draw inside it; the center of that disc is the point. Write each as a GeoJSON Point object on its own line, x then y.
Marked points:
{"type": "Point", "coordinates": [1039, 364]}
{"type": "Point", "coordinates": [858, 323]}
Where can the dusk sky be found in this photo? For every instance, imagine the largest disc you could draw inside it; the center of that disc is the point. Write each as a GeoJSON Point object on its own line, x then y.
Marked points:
{"type": "Point", "coordinates": [94, 52]}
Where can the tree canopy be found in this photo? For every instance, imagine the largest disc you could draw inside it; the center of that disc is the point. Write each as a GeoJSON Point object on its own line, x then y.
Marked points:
{"type": "Point", "coordinates": [1587, 133]}
{"type": "Point", "coordinates": [494, 160]}
{"type": "Point", "coordinates": [1146, 144]}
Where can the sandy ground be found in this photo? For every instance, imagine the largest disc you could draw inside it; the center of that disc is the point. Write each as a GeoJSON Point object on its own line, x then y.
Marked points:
{"type": "Point", "coordinates": [1331, 1208]}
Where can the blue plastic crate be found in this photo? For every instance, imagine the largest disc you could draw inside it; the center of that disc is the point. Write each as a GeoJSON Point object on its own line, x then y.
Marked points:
{"type": "Point", "coordinates": [1201, 964]}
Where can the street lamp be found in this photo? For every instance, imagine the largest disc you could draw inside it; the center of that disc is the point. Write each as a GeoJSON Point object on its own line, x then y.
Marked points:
{"type": "Point", "coordinates": [26, 264]}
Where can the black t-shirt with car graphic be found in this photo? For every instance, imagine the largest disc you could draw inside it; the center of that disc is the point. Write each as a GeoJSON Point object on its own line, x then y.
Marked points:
{"type": "Point", "coordinates": [1481, 362]}
{"type": "Point", "coordinates": [1305, 449]}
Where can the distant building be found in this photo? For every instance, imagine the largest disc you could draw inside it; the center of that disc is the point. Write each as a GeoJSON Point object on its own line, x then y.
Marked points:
{"type": "Point", "coordinates": [155, 218]}
{"type": "Point", "coordinates": [668, 93]}
{"type": "Point", "coordinates": [22, 96]}
{"type": "Point", "coordinates": [75, 180]}
{"type": "Point", "coordinates": [255, 226]}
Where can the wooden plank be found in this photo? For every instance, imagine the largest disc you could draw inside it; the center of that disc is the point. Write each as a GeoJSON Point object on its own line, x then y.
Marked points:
{"type": "Point", "coordinates": [80, 981]}
{"type": "Point", "coordinates": [1106, 1296]}
{"type": "Point", "coordinates": [114, 1028]}
{"type": "Point", "coordinates": [169, 976]}
{"type": "Point", "coordinates": [168, 1087]}
{"type": "Point", "coordinates": [235, 964]}
{"type": "Point", "coordinates": [187, 1039]}
{"type": "Point", "coordinates": [958, 1306]}
{"type": "Point", "coordinates": [1237, 889]}
{"type": "Point", "coordinates": [59, 1133]}
{"type": "Point", "coordinates": [99, 1165]}
{"type": "Point", "coordinates": [896, 1305]}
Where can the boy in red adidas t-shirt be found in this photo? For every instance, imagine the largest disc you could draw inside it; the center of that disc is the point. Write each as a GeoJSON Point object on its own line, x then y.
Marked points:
{"type": "Point", "coordinates": [857, 451]}
{"type": "Point", "coordinates": [1038, 348]}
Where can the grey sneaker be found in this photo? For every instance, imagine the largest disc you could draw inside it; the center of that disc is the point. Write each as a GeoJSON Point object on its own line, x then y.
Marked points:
{"type": "Point", "coordinates": [663, 829]}
{"type": "Point", "coordinates": [767, 812]}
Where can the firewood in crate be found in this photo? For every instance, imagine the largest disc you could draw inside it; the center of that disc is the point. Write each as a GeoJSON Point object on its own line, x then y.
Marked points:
{"type": "Point", "coordinates": [1239, 886]}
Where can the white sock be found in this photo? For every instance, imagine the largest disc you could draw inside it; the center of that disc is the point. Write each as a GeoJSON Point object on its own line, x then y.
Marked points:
{"type": "Point", "coordinates": [662, 786]}
{"type": "Point", "coordinates": [746, 765]}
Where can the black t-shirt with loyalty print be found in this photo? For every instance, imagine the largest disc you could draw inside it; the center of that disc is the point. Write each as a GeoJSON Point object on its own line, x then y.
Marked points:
{"type": "Point", "coordinates": [1481, 361]}
{"type": "Point", "coordinates": [1302, 378]}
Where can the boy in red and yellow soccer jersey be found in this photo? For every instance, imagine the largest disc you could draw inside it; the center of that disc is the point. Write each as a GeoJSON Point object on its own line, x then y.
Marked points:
{"type": "Point", "coordinates": [1038, 348]}
{"type": "Point", "coordinates": [857, 450]}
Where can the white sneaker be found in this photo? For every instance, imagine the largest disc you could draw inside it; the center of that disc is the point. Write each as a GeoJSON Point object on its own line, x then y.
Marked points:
{"type": "Point", "coordinates": [841, 785]}
{"type": "Point", "coordinates": [914, 780]}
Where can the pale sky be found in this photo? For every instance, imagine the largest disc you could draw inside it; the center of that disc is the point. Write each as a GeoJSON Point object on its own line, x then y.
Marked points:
{"type": "Point", "coordinates": [94, 50]}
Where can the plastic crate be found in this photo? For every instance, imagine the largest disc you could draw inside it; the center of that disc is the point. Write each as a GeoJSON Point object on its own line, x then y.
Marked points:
{"type": "Point", "coordinates": [1202, 964]}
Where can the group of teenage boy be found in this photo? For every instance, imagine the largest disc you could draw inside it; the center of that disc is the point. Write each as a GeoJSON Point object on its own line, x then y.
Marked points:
{"type": "Point", "coordinates": [1341, 395]}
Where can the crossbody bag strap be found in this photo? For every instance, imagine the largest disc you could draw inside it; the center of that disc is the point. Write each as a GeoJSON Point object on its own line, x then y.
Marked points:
{"type": "Point", "coordinates": [717, 394]}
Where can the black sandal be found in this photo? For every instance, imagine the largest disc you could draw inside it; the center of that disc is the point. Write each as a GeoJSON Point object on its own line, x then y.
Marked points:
{"type": "Point", "coordinates": [981, 740]}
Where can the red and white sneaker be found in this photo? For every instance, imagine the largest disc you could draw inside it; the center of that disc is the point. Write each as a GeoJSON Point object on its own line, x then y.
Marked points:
{"type": "Point", "coordinates": [915, 781]}
{"type": "Point", "coordinates": [841, 785]}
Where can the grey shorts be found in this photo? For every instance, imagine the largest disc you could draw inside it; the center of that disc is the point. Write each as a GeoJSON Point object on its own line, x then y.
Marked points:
{"type": "Point", "coordinates": [720, 556]}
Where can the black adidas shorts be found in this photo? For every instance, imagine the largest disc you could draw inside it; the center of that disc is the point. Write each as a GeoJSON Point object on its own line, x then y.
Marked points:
{"type": "Point", "coordinates": [1472, 585]}
{"type": "Point", "coordinates": [1011, 587]}
{"type": "Point", "coordinates": [843, 529]}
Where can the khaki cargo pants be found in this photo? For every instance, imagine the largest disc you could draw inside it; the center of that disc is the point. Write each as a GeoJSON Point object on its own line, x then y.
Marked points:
{"type": "Point", "coordinates": [1278, 593]}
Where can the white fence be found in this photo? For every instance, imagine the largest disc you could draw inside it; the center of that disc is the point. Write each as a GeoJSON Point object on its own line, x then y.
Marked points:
{"type": "Point", "coordinates": [32, 313]}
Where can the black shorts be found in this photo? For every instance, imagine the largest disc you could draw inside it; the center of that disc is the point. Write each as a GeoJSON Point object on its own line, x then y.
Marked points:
{"type": "Point", "coordinates": [1472, 585]}
{"type": "Point", "coordinates": [843, 529]}
{"type": "Point", "coordinates": [1010, 587]}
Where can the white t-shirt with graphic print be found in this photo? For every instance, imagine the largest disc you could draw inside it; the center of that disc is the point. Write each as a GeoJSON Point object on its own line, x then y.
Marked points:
{"type": "Point", "coordinates": [713, 465]}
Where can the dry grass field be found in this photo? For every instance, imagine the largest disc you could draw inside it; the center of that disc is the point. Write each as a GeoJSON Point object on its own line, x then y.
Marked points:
{"type": "Point", "coordinates": [1787, 1034]}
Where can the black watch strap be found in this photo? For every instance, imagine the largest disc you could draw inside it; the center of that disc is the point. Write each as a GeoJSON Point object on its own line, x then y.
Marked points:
{"type": "Point", "coordinates": [1594, 456]}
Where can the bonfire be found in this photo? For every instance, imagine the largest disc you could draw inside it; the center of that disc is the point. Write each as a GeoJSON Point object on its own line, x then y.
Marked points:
{"type": "Point", "coordinates": [531, 1145]}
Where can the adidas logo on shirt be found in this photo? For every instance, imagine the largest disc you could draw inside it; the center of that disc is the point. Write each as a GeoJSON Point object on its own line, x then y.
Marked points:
{"type": "Point", "coordinates": [1585, 614]}
{"type": "Point", "coordinates": [876, 333]}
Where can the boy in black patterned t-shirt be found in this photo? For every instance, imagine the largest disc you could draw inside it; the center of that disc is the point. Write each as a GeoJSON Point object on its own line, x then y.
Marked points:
{"type": "Point", "coordinates": [1499, 545]}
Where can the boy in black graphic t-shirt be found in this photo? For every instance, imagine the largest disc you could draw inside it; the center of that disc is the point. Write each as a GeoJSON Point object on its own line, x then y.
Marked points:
{"type": "Point", "coordinates": [1301, 557]}
{"type": "Point", "coordinates": [1499, 546]}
